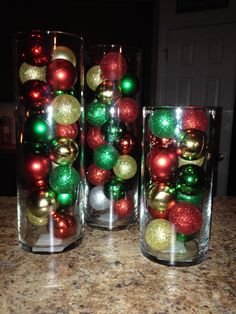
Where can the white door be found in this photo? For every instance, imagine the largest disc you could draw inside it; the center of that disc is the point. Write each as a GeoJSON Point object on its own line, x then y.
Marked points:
{"type": "Point", "coordinates": [200, 70]}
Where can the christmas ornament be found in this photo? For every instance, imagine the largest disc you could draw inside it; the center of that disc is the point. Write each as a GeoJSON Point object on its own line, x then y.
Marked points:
{"type": "Point", "coordinates": [37, 221]}
{"type": "Point", "coordinates": [65, 53]}
{"type": "Point", "coordinates": [105, 156]}
{"type": "Point", "coordinates": [36, 167]}
{"type": "Point", "coordinates": [66, 199]}
{"type": "Point", "coordinates": [125, 167]}
{"type": "Point", "coordinates": [66, 109]}
{"type": "Point", "coordinates": [159, 234]}
{"type": "Point", "coordinates": [42, 203]}
{"type": "Point", "coordinates": [62, 92]}
{"type": "Point", "coordinates": [113, 66]}
{"type": "Point", "coordinates": [192, 144]}
{"type": "Point", "coordinates": [29, 72]}
{"type": "Point", "coordinates": [97, 198]}
{"type": "Point", "coordinates": [64, 179]}
{"type": "Point", "coordinates": [35, 94]}
{"type": "Point", "coordinates": [153, 141]}
{"type": "Point", "coordinates": [127, 144]}
{"type": "Point", "coordinates": [190, 179]}
{"type": "Point", "coordinates": [113, 130]}
{"type": "Point", "coordinates": [93, 77]}
{"type": "Point", "coordinates": [129, 84]}
{"type": "Point", "coordinates": [97, 113]}
{"type": "Point", "coordinates": [38, 129]}
{"type": "Point", "coordinates": [194, 199]}
{"type": "Point", "coordinates": [186, 218]}
{"type": "Point", "coordinates": [95, 137]}
{"type": "Point", "coordinates": [62, 225]}
{"type": "Point", "coordinates": [63, 151]}
{"type": "Point", "coordinates": [195, 119]}
{"type": "Point", "coordinates": [162, 123]}
{"type": "Point", "coordinates": [158, 214]}
{"type": "Point", "coordinates": [185, 237]}
{"type": "Point", "coordinates": [114, 189]}
{"type": "Point", "coordinates": [98, 176]}
{"type": "Point", "coordinates": [61, 74]}
{"type": "Point", "coordinates": [124, 207]}
{"type": "Point", "coordinates": [199, 162]}
{"type": "Point", "coordinates": [128, 109]}
{"type": "Point", "coordinates": [68, 131]}
{"type": "Point", "coordinates": [107, 92]}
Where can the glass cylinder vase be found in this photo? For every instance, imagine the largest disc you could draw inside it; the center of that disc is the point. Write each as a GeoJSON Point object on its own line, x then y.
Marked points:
{"type": "Point", "coordinates": [178, 149]}
{"type": "Point", "coordinates": [48, 80]}
{"type": "Point", "coordinates": [112, 139]}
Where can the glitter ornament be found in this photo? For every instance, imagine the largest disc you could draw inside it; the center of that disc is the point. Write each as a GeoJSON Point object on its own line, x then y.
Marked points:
{"type": "Point", "coordinates": [62, 225]}
{"type": "Point", "coordinates": [125, 167]}
{"type": "Point", "coordinates": [37, 221]}
{"type": "Point", "coordinates": [114, 189]}
{"type": "Point", "coordinates": [95, 137]}
{"type": "Point", "coordinates": [36, 167]}
{"type": "Point", "coordinates": [66, 199]}
{"type": "Point", "coordinates": [29, 72]}
{"type": "Point", "coordinates": [113, 130]}
{"type": "Point", "coordinates": [192, 144]}
{"type": "Point", "coordinates": [199, 162]}
{"type": "Point", "coordinates": [159, 234]}
{"type": "Point", "coordinates": [93, 77]}
{"type": "Point", "coordinates": [128, 109]}
{"type": "Point", "coordinates": [66, 109]}
{"type": "Point", "coordinates": [113, 66]}
{"type": "Point", "coordinates": [63, 151]}
{"type": "Point", "coordinates": [107, 92]}
{"type": "Point", "coordinates": [195, 119]}
{"type": "Point", "coordinates": [61, 74]}
{"type": "Point", "coordinates": [162, 123]}
{"type": "Point", "coordinates": [98, 176]}
{"type": "Point", "coordinates": [68, 131]}
{"type": "Point", "coordinates": [64, 179]}
{"type": "Point", "coordinates": [38, 129]}
{"type": "Point", "coordinates": [127, 144]}
{"type": "Point", "coordinates": [97, 113]}
{"type": "Point", "coordinates": [124, 207]}
{"type": "Point", "coordinates": [186, 218]}
{"type": "Point", "coordinates": [97, 198]}
{"type": "Point", "coordinates": [158, 214]}
{"type": "Point", "coordinates": [42, 203]}
{"type": "Point", "coordinates": [193, 199]}
{"type": "Point", "coordinates": [65, 53]}
{"type": "Point", "coordinates": [129, 84]}
{"type": "Point", "coordinates": [105, 156]}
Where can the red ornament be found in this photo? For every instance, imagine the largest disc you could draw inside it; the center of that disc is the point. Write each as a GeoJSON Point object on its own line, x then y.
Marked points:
{"type": "Point", "coordinates": [35, 94]}
{"type": "Point", "coordinates": [36, 168]}
{"type": "Point", "coordinates": [186, 217]}
{"type": "Point", "coordinates": [162, 162]}
{"type": "Point", "coordinates": [128, 109]}
{"type": "Point", "coordinates": [195, 119]}
{"type": "Point", "coordinates": [113, 66]}
{"type": "Point", "coordinates": [61, 74]}
{"type": "Point", "coordinates": [63, 225]}
{"type": "Point", "coordinates": [127, 144]}
{"type": "Point", "coordinates": [98, 176]}
{"type": "Point", "coordinates": [157, 141]}
{"type": "Point", "coordinates": [157, 214]}
{"type": "Point", "coordinates": [124, 207]}
{"type": "Point", "coordinates": [68, 131]}
{"type": "Point", "coordinates": [95, 137]}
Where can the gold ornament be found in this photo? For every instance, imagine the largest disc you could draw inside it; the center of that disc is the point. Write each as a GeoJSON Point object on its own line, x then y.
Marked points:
{"type": "Point", "coordinates": [197, 162]}
{"type": "Point", "coordinates": [64, 151]}
{"type": "Point", "coordinates": [29, 72]}
{"type": "Point", "coordinates": [62, 52]}
{"type": "Point", "coordinates": [66, 109]}
{"type": "Point", "coordinates": [125, 167]}
{"type": "Point", "coordinates": [42, 203]}
{"type": "Point", "coordinates": [37, 221]}
{"type": "Point", "coordinates": [93, 77]}
{"type": "Point", "coordinates": [161, 196]}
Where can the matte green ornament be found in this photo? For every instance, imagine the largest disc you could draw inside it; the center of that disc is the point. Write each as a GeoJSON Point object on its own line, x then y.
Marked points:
{"type": "Point", "coordinates": [162, 123]}
{"type": "Point", "coordinates": [64, 179]}
{"type": "Point", "coordinates": [113, 130]}
{"type": "Point", "coordinates": [37, 129]}
{"type": "Point", "coordinates": [105, 156]}
{"type": "Point", "coordinates": [129, 84]}
{"type": "Point", "coordinates": [114, 189]}
{"type": "Point", "coordinates": [97, 113]}
{"type": "Point", "coordinates": [194, 199]}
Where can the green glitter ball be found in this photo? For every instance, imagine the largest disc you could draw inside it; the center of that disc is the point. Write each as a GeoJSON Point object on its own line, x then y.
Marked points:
{"type": "Point", "coordinates": [105, 157]}
{"type": "Point", "coordinates": [162, 123]}
{"type": "Point", "coordinates": [97, 113]}
{"type": "Point", "coordinates": [113, 130]}
{"type": "Point", "coordinates": [64, 179]}
{"type": "Point", "coordinates": [114, 189]}
{"type": "Point", "coordinates": [194, 199]}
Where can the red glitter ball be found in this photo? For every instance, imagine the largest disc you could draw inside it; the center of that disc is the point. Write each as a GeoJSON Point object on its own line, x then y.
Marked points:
{"type": "Point", "coordinates": [98, 176]}
{"type": "Point", "coordinates": [63, 225]}
{"type": "Point", "coordinates": [68, 131]}
{"type": "Point", "coordinates": [124, 207]}
{"type": "Point", "coordinates": [195, 119]}
{"type": "Point", "coordinates": [186, 217]}
{"type": "Point", "coordinates": [157, 214]}
{"type": "Point", "coordinates": [95, 137]}
{"type": "Point", "coordinates": [113, 66]}
{"type": "Point", "coordinates": [128, 109]}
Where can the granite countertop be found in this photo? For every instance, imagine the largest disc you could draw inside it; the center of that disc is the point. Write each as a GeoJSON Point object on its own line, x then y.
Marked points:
{"type": "Point", "coordinates": [107, 273]}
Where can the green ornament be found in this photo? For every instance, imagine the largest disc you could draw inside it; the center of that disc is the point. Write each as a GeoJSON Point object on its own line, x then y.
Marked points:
{"type": "Point", "coordinates": [62, 92]}
{"type": "Point", "coordinates": [97, 113]}
{"type": "Point", "coordinates": [129, 84]}
{"type": "Point", "coordinates": [66, 199]}
{"type": "Point", "coordinates": [38, 130]}
{"type": "Point", "coordinates": [162, 123]}
{"type": "Point", "coordinates": [190, 179]}
{"type": "Point", "coordinates": [105, 157]}
{"type": "Point", "coordinates": [184, 237]}
{"type": "Point", "coordinates": [194, 199]}
{"type": "Point", "coordinates": [114, 189]}
{"type": "Point", "coordinates": [113, 130]}
{"type": "Point", "coordinates": [64, 179]}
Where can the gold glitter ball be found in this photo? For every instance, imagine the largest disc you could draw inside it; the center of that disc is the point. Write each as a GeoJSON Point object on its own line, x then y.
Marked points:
{"type": "Point", "coordinates": [125, 167]}
{"type": "Point", "coordinates": [66, 109]}
{"type": "Point", "coordinates": [29, 72]}
{"type": "Point", "coordinates": [93, 77]}
{"type": "Point", "coordinates": [37, 221]}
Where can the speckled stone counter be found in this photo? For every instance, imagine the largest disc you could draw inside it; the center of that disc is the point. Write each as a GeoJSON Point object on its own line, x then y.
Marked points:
{"type": "Point", "coordinates": [107, 273]}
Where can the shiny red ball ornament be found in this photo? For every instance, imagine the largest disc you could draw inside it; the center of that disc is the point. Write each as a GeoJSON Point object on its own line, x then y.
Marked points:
{"type": "Point", "coordinates": [68, 131]}
{"type": "Point", "coordinates": [186, 218]}
{"type": "Point", "coordinates": [35, 94]}
{"type": "Point", "coordinates": [61, 74]}
{"type": "Point", "coordinates": [195, 119]}
{"type": "Point", "coordinates": [153, 141]}
{"type": "Point", "coordinates": [113, 66]}
{"type": "Point", "coordinates": [124, 207]}
{"type": "Point", "coordinates": [98, 176]}
{"type": "Point", "coordinates": [127, 144]}
{"type": "Point", "coordinates": [128, 109]}
{"type": "Point", "coordinates": [157, 214]}
{"type": "Point", "coordinates": [95, 137]}
{"type": "Point", "coordinates": [162, 162]}
{"type": "Point", "coordinates": [36, 167]}
{"type": "Point", "coordinates": [63, 224]}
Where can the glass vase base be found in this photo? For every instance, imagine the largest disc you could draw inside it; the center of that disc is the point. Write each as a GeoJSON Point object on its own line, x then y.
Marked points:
{"type": "Point", "coordinates": [107, 227]}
